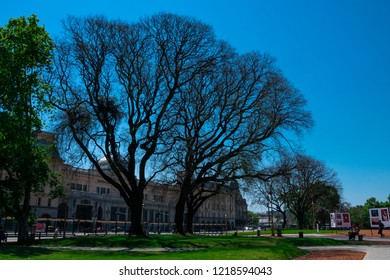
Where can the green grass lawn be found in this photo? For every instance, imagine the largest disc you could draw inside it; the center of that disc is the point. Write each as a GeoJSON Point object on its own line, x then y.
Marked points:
{"type": "Point", "coordinates": [208, 248]}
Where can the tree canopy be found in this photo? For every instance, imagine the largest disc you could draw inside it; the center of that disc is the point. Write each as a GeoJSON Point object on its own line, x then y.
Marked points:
{"type": "Point", "coordinates": [25, 52]}
{"type": "Point", "coordinates": [162, 99]}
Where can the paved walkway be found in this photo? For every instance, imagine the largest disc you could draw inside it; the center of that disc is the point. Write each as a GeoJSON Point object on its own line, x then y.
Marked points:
{"type": "Point", "coordinates": [373, 252]}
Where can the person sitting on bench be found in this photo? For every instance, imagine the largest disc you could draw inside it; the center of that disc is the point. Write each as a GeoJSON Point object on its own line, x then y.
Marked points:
{"type": "Point", "coordinates": [353, 232]}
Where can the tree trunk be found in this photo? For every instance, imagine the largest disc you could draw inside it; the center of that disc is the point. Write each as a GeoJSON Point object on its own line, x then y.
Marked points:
{"type": "Point", "coordinates": [179, 218]}
{"type": "Point", "coordinates": [300, 219]}
{"type": "Point", "coordinates": [23, 230]}
{"type": "Point", "coordinates": [284, 219]}
{"type": "Point", "coordinates": [190, 220]}
{"type": "Point", "coordinates": [136, 207]}
{"type": "Point", "coordinates": [22, 217]}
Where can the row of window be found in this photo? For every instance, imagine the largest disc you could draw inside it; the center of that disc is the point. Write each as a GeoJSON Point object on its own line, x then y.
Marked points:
{"type": "Point", "coordinates": [84, 188]}
{"type": "Point", "coordinates": [39, 202]}
{"type": "Point", "coordinates": [78, 187]}
{"type": "Point", "coordinates": [101, 190]}
{"type": "Point", "coordinates": [156, 198]}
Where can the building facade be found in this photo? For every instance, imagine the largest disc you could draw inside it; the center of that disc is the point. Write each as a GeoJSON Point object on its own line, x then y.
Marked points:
{"type": "Point", "coordinates": [91, 204]}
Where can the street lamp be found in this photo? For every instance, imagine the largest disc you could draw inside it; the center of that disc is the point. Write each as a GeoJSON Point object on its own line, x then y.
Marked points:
{"type": "Point", "coordinates": [107, 214]}
{"type": "Point", "coordinates": [226, 225]}
{"type": "Point", "coordinates": [66, 215]}
{"type": "Point", "coordinates": [116, 223]}
{"type": "Point", "coordinates": [272, 213]}
{"type": "Point", "coordinates": [73, 224]}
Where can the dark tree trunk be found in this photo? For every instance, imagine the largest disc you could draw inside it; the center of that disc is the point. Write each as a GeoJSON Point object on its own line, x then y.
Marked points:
{"type": "Point", "coordinates": [300, 219]}
{"type": "Point", "coordinates": [136, 202]}
{"type": "Point", "coordinates": [179, 217]}
{"type": "Point", "coordinates": [22, 218]}
{"type": "Point", "coordinates": [190, 220]}
{"type": "Point", "coordinates": [284, 219]}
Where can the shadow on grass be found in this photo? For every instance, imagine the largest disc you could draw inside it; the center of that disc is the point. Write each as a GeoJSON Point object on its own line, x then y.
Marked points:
{"type": "Point", "coordinates": [14, 252]}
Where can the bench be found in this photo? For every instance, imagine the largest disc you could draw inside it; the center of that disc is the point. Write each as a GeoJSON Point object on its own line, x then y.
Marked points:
{"type": "Point", "coordinates": [352, 236]}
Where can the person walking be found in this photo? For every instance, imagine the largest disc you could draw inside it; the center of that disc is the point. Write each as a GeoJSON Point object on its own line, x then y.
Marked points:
{"type": "Point", "coordinates": [3, 236]}
{"type": "Point", "coordinates": [381, 227]}
{"type": "Point", "coordinates": [56, 232]}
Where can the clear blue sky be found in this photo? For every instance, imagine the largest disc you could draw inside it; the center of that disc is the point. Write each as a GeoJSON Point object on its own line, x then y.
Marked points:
{"type": "Point", "coordinates": [337, 52]}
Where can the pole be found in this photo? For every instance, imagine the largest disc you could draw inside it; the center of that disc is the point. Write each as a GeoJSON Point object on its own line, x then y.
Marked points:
{"type": "Point", "coordinates": [66, 214]}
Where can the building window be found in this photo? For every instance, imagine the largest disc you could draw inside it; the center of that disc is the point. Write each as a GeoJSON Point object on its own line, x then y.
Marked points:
{"type": "Point", "coordinates": [85, 201]}
{"type": "Point", "coordinates": [100, 190]}
{"type": "Point", "coordinates": [49, 202]}
{"type": "Point", "coordinates": [78, 187]}
{"type": "Point", "coordinates": [158, 198]}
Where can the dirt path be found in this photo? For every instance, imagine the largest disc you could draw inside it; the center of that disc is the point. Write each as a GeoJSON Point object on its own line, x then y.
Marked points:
{"type": "Point", "coordinates": [333, 255]}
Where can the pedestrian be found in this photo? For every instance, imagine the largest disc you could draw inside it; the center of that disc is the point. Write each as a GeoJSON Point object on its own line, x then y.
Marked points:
{"type": "Point", "coordinates": [381, 227]}
{"type": "Point", "coordinates": [3, 236]}
{"type": "Point", "coordinates": [56, 232]}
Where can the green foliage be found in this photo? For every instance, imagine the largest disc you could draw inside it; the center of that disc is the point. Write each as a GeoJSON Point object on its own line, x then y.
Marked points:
{"type": "Point", "coordinates": [26, 51]}
{"type": "Point", "coordinates": [360, 213]}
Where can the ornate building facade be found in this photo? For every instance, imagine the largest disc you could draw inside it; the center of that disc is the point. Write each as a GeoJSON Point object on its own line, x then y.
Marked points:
{"type": "Point", "coordinates": [91, 203]}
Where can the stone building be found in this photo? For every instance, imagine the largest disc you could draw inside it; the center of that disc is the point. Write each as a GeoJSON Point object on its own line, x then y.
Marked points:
{"type": "Point", "coordinates": [91, 203]}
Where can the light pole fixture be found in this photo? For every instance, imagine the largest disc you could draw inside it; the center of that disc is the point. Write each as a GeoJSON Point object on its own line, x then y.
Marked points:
{"type": "Point", "coordinates": [65, 216]}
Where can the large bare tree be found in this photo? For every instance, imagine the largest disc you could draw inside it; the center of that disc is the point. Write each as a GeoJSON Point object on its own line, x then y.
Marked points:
{"type": "Point", "coordinates": [115, 86]}
{"type": "Point", "coordinates": [228, 119]}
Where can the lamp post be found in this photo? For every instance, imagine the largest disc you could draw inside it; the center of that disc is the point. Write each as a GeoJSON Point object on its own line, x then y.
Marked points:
{"type": "Point", "coordinates": [66, 215]}
{"type": "Point", "coordinates": [116, 222]}
{"type": "Point", "coordinates": [107, 214]}
{"type": "Point", "coordinates": [73, 224]}
{"type": "Point", "coordinates": [272, 213]}
{"type": "Point", "coordinates": [226, 225]}
{"type": "Point", "coordinates": [312, 205]}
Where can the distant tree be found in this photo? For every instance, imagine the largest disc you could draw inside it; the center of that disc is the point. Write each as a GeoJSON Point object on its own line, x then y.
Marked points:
{"type": "Point", "coordinates": [253, 218]}
{"type": "Point", "coordinates": [310, 184]}
{"type": "Point", "coordinates": [25, 51]}
{"type": "Point", "coordinates": [328, 202]}
{"type": "Point", "coordinates": [360, 215]}
{"type": "Point", "coordinates": [372, 202]}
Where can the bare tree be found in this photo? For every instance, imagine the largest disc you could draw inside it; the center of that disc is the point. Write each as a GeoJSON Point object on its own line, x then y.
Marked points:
{"type": "Point", "coordinates": [229, 118]}
{"type": "Point", "coordinates": [115, 86]}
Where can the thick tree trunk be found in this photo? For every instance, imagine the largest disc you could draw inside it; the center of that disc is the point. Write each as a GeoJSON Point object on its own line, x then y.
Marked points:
{"type": "Point", "coordinates": [136, 206]}
{"type": "Point", "coordinates": [22, 217]}
{"type": "Point", "coordinates": [300, 219]}
{"type": "Point", "coordinates": [23, 229]}
{"type": "Point", "coordinates": [190, 220]}
{"type": "Point", "coordinates": [179, 217]}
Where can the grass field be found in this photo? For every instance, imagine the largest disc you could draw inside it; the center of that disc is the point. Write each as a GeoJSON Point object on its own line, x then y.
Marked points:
{"type": "Point", "coordinates": [195, 247]}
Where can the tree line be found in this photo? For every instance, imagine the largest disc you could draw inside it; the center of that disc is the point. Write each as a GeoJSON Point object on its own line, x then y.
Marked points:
{"type": "Point", "coordinates": [360, 213]}
{"type": "Point", "coordinates": [163, 99]}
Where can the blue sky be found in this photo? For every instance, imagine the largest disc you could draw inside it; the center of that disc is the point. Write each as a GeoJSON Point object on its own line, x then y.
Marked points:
{"type": "Point", "coordinates": [337, 52]}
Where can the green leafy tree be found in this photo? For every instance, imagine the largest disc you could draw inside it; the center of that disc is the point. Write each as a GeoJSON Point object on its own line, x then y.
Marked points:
{"type": "Point", "coordinates": [25, 52]}
{"type": "Point", "coordinates": [253, 218]}
{"type": "Point", "coordinates": [310, 184]}
{"type": "Point", "coordinates": [360, 216]}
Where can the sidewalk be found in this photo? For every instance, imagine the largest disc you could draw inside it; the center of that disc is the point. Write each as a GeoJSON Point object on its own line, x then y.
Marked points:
{"type": "Point", "coordinates": [373, 252]}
